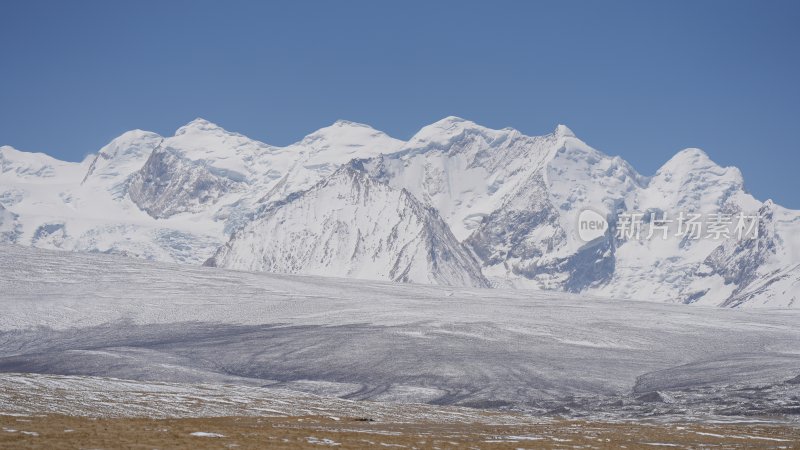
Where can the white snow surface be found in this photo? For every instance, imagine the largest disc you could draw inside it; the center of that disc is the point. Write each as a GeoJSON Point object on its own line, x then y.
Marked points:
{"type": "Point", "coordinates": [510, 200]}
{"type": "Point", "coordinates": [77, 314]}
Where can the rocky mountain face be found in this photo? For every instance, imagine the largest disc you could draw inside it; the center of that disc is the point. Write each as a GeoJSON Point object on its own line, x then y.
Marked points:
{"type": "Point", "coordinates": [171, 184]}
{"type": "Point", "coordinates": [514, 199]}
{"type": "Point", "coordinates": [457, 204]}
{"type": "Point", "coordinates": [350, 225]}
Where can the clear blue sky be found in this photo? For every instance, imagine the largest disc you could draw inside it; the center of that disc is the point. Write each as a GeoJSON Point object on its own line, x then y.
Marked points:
{"type": "Point", "coordinates": [640, 79]}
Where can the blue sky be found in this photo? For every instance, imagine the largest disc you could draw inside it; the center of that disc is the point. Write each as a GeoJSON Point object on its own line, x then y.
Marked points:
{"type": "Point", "coordinates": [639, 79]}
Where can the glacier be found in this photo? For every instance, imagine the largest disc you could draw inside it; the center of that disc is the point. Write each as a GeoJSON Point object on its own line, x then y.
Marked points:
{"type": "Point", "coordinates": [79, 319]}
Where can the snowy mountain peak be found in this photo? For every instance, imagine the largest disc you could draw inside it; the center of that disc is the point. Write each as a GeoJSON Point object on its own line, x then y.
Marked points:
{"type": "Point", "coordinates": [347, 137]}
{"type": "Point", "coordinates": [563, 131]}
{"type": "Point", "coordinates": [451, 120]}
{"type": "Point", "coordinates": [124, 155]}
{"type": "Point", "coordinates": [231, 155]}
{"type": "Point", "coordinates": [423, 210]}
{"type": "Point", "coordinates": [341, 123]}
{"type": "Point", "coordinates": [450, 129]}
{"type": "Point", "coordinates": [691, 172]}
{"type": "Point", "coordinates": [690, 158]}
{"type": "Point", "coordinates": [128, 138]}
{"type": "Point", "coordinates": [198, 125]}
{"type": "Point", "coordinates": [448, 126]}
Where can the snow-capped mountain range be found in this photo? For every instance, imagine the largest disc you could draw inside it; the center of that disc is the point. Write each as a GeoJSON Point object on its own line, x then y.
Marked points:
{"type": "Point", "coordinates": [458, 204]}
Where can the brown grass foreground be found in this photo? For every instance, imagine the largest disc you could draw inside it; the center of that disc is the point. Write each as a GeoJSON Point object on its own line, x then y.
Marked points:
{"type": "Point", "coordinates": [321, 432]}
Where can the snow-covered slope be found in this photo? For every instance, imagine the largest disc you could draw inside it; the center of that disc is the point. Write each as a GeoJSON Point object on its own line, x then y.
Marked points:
{"type": "Point", "coordinates": [104, 315]}
{"type": "Point", "coordinates": [85, 206]}
{"type": "Point", "coordinates": [515, 200]}
{"type": "Point", "coordinates": [124, 155]}
{"type": "Point", "coordinates": [38, 168]}
{"type": "Point", "coordinates": [225, 176]}
{"type": "Point", "coordinates": [689, 183]}
{"type": "Point", "coordinates": [196, 169]}
{"type": "Point", "coordinates": [754, 271]}
{"type": "Point", "coordinates": [510, 201]}
{"type": "Point", "coordinates": [350, 225]}
{"type": "Point", "coordinates": [168, 199]}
